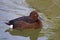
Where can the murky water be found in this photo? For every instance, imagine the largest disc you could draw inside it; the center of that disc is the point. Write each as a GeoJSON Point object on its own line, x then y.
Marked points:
{"type": "Point", "coordinates": [51, 10]}
{"type": "Point", "coordinates": [11, 9]}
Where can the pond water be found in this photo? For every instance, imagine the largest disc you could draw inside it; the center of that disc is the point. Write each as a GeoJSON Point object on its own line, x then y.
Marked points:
{"type": "Point", "coordinates": [11, 9]}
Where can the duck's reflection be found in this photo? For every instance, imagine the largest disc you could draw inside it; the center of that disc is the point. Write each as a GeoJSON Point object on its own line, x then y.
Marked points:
{"type": "Point", "coordinates": [32, 33]}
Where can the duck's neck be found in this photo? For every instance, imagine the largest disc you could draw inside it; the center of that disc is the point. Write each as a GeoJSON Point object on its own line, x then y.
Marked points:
{"type": "Point", "coordinates": [34, 19]}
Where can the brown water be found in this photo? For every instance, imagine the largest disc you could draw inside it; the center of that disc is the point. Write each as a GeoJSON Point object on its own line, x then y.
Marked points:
{"type": "Point", "coordinates": [51, 10]}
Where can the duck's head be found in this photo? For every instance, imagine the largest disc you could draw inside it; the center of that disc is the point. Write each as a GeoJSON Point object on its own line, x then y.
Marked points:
{"type": "Point", "coordinates": [34, 15]}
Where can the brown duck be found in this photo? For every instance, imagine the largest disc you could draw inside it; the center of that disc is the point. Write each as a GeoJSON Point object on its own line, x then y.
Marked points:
{"type": "Point", "coordinates": [26, 22]}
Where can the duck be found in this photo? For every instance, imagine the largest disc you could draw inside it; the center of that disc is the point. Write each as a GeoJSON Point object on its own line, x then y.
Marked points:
{"type": "Point", "coordinates": [26, 22]}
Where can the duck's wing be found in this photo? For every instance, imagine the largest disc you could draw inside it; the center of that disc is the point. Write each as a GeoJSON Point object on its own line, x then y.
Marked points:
{"type": "Point", "coordinates": [24, 18]}
{"type": "Point", "coordinates": [27, 19]}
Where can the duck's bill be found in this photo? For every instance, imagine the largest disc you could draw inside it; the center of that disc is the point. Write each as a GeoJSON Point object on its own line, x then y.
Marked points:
{"type": "Point", "coordinates": [40, 18]}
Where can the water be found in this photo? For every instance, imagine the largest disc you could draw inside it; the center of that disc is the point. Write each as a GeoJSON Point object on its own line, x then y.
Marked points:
{"type": "Point", "coordinates": [11, 9]}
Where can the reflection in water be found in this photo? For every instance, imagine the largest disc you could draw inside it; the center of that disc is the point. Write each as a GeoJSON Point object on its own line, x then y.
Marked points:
{"type": "Point", "coordinates": [32, 33]}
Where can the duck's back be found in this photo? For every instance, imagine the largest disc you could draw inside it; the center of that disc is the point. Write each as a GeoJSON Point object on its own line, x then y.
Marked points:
{"type": "Point", "coordinates": [24, 18]}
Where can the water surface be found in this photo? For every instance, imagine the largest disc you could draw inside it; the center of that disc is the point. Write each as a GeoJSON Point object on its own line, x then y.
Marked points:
{"type": "Point", "coordinates": [11, 9]}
